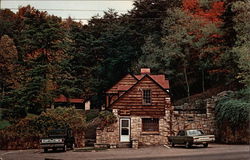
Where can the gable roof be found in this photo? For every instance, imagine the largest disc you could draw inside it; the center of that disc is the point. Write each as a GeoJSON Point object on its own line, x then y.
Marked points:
{"type": "Point", "coordinates": [122, 85]}
{"type": "Point", "coordinates": [160, 79]}
{"type": "Point", "coordinates": [63, 99]}
{"type": "Point", "coordinates": [146, 75]}
{"type": "Point", "coordinates": [115, 88]}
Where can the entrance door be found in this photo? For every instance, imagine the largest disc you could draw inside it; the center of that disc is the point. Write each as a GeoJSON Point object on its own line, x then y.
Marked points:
{"type": "Point", "coordinates": [125, 130]}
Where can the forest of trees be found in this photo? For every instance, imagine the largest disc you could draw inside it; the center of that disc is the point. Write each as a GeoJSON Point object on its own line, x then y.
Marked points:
{"type": "Point", "coordinates": [197, 44]}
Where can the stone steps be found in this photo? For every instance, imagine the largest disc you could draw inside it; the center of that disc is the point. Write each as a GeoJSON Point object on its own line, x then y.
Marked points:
{"type": "Point", "coordinates": [124, 145]}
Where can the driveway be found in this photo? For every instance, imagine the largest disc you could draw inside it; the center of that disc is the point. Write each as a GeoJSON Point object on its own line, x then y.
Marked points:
{"type": "Point", "coordinates": [213, 152]}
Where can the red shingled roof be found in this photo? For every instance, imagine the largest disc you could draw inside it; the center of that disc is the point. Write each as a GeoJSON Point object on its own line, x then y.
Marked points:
{"type": "Point", "coordinates": [160, 79]}
{"type": "Point", "coordinates": [129, 80]}
{"type": "Point", "coordinates": [62, 98]}
{"type": "Point", "coordinates": [124, 87]}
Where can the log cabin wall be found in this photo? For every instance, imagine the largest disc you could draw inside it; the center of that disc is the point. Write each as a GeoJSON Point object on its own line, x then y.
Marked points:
{"type": "Point", "coordinates": [131, 103]}
{"type": "Point", "coordinates": [123, 85]}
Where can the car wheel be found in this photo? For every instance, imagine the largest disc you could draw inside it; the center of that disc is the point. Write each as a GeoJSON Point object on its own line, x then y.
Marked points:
{"type": "Point", "coordinates": [73, 146]}
{"type": "Point", "coordinates": [45, 150]}
{"type": "Point", "coordinates": [65, 148]}
{"type": "Point", "coordinates": [205, 145]}
{"type": "Point", "coordinates": [188, 145]}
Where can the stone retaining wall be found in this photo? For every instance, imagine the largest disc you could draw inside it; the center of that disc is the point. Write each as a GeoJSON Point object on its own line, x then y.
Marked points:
{"type": "Point", "coordinates": [205, 122]}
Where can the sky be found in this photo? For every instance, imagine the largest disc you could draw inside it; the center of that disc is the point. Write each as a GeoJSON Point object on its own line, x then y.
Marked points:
{"type": "Point", "coordinates": [76, 9]}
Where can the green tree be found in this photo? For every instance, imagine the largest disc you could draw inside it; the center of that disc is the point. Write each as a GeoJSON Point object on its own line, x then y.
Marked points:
{"type": "Point", "coordinates": [242, 44]}
{"type": "Point", "coordinates": [41, 45]}
{"type": "Point", "coordinates": [8, 64]}
{"type": "Point", "coordinates": [10, 23]}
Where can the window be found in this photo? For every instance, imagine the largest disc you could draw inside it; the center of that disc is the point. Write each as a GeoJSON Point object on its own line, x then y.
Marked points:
{"type": "Point", "coordinates": [181, 133]}
{"type": "Point", "coordinates": [146, 96]}
{"type": "Point", "coordinates": [195, 133]}
{"type": "Point", "coordinates": [150, 124]}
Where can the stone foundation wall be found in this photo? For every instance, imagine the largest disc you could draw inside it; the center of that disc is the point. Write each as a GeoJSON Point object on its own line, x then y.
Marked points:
{"type": "Point", "coordinates": [109, 136]}
{"type": "Point", "coordinates": [148, 138]}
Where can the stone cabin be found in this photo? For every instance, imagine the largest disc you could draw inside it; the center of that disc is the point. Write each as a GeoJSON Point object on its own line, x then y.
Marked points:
{"type": "Point", "coordinates": [145, 115]}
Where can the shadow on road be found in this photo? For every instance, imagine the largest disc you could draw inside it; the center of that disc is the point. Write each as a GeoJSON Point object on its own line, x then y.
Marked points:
{"type": "Point", "coordinates": [193, 147]}
{"type": "Point", "coordinates": [53, 151]}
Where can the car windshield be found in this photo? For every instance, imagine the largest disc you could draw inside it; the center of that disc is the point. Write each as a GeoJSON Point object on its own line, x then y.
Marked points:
{"type": "Point", "coordinates": [194, 132]}
{"type": "Point", "coordinates": [57, 133]}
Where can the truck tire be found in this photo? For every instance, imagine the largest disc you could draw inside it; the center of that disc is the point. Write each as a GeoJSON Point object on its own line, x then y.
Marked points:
{"type": "Point", "coordinates": [65, 148]}
{"type": "Point", "coordinates": [45, 150]}
{"type": "Point", "coordinates": [172, 144]}
{"type": "Point", "coordinates": [188, 145]}
{"type": "Point", "coordinates": [205, 145]}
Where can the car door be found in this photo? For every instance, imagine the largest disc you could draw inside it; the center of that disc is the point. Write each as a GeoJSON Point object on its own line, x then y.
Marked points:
{"type": "Point", "coordinates": [180, 137]}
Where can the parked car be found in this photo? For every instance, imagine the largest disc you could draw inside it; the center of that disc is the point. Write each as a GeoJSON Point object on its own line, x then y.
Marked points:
{"type": "Point", "coordinates": [59, 138]}
{"type": "Point", "coordinates": [190, 137]}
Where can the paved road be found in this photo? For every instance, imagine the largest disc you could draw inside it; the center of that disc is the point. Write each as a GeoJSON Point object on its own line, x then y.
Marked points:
{"type": "Point", "coordinates": [213, 152]}
{"type": "Point", "coordinates": [220, 156]}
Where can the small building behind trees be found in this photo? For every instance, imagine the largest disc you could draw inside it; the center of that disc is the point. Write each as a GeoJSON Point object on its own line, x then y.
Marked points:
{"type": "Point", "coordinates": [77, 103]}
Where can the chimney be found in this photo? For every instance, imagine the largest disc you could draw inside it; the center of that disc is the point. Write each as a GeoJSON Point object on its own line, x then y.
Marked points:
{"type": "Point", "coordinates": [145, 70]}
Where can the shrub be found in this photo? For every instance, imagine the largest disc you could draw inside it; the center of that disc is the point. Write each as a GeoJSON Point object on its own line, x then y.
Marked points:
{"type": "Point", "coordinates": [106, 118]}
{"type": "Point", "coordinates": [92, 114]}
{"type": "Point", "coordinates": [233, 109]}
{"type": "Point", "coordinates": [27, 132]}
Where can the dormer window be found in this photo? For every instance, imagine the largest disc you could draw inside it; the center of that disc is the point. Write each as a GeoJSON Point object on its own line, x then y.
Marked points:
{"type": "Point", "coordinates": [146, 96]}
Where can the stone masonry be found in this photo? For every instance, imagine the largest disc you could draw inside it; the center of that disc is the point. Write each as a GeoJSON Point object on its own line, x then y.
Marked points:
{"type": "Point", "coordinates": [170, 124]}
{"type": "Point", "coordinates": [205, 122]}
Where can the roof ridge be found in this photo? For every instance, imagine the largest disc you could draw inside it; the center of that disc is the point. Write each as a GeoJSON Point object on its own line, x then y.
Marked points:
{"type": "Point", "coordinates": [120, 80]}
{"type": "Point", "coordinates": [146, 75]}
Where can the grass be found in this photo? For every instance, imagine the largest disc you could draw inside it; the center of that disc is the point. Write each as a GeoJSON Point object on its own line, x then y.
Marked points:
{"type": "Point", "coordinates": [30, 115]}
{"type": "Point", "coordinates": [3, 123]}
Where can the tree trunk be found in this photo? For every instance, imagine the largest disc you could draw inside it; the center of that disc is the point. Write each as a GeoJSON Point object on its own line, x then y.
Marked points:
{"type": "Point", "coordinates": [203, 81]}
{"type": "Point", "coordinates": [186, 80]}
{"type": "Point", "coordinates": [3, 91]}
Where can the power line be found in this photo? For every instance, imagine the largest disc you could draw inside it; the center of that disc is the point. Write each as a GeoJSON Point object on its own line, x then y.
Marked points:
{"type": "Point", "coordinates": [89, 10]}
{"type": "Point", "coordinates": [126, 18]}
{"type": "Point", "coordinates": [92, 10]}
{"type": "Point", "coordinates": [77, 10]}
{"type": "Point", "coordinates": [79, 0]}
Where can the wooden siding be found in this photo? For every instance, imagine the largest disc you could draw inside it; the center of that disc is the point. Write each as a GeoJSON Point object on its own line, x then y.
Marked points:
{"type": "Point", "coordinates": [131, 102]}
